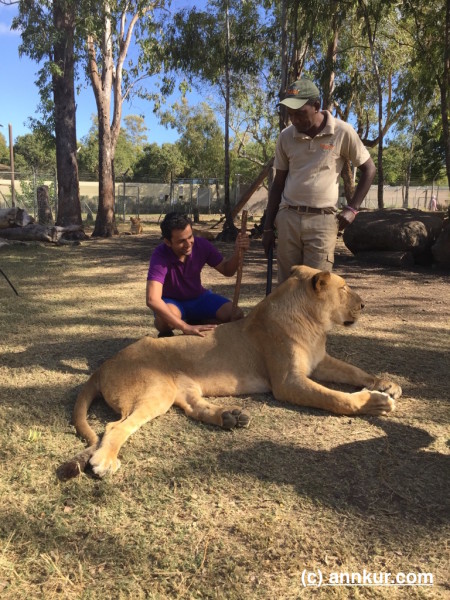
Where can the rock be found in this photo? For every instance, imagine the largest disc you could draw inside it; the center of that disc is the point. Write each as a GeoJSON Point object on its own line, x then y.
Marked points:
{"type": "Point", "coordinates": [410, 230]}
{"type": "Point", "coordinates": [441, 249]}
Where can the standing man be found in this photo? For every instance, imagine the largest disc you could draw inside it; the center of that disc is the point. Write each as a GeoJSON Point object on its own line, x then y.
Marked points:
{"type": "Point", "coordinates": [309, 157]}
{"type": "Point", "coordinates": [174, 289]}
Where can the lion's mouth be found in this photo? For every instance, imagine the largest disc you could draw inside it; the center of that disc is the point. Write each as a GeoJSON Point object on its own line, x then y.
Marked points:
{"type": "Point", "coordinates": [348, 323]}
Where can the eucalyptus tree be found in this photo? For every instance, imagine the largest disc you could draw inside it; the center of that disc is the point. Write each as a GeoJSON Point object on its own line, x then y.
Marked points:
{"type": "Point", "coordinates": [217, 46]}
{"type": "Point", "coordinates": [48, 30]}
{"type": "Point", "coordinates": [130, 144]}
{"type": "Point", "coordinates": [428, 25]}
{"type": "Point", "coordinates": [111, 26]}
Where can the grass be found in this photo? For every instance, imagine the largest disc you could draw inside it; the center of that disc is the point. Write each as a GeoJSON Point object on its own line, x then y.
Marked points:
{"type": "Point", "coordinates": [197, 512]}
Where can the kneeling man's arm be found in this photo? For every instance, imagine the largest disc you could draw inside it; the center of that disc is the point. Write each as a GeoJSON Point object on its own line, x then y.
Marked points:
{"type": "Point", "coordinates": [157, 304]}
{"type": "Point", "coordinates": [228, 267]}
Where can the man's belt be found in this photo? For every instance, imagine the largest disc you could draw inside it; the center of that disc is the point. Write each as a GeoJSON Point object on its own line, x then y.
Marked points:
{"type": "Point", "coordinates": [312, 209]}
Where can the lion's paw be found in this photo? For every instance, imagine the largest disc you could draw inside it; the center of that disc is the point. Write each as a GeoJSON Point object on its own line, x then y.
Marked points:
{"type": "Point", "coordinates": [389, 387]}
{"type": "Point", "coordinates": [379, 403]}
{"type": "Point", "coordinates": [235, 418]}
{"type": "Point", "coordinates": [102, 465]}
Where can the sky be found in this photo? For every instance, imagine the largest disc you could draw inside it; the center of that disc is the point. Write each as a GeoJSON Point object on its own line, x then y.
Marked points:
{"type": "Point", "coordinates": [19, 96]}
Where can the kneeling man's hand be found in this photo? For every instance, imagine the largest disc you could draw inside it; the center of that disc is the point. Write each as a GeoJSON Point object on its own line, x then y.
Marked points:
{"type": "Point", "coordinates": [197, 329]}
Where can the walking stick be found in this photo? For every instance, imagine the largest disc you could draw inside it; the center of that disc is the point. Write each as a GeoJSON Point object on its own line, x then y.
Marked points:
{"type": "Point", "coordinates": [5, 276]}
{"type": "Point", "coordinates": [237, 287]}
{"type": "Point", "coordinates": [269, 271]}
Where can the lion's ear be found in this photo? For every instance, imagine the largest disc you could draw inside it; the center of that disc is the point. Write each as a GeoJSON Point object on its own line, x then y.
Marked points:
{"type": "Point", "coordinates": [320, 281]}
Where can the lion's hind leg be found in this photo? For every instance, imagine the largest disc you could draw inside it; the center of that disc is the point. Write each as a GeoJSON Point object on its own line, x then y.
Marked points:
{"type": "Point", "coordinates": [105, 460]}
{"type": "Point", "coordinates": [189, 398]}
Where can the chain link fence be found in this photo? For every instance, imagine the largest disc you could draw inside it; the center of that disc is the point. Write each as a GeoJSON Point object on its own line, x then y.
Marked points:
{"type": "Point", "coordinates": [195, 196]}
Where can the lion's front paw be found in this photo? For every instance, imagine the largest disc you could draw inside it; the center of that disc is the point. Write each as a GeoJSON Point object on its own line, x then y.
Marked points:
{"type": "Point", "coordinates": [379, 403]}
{"type": "Point", "coordinates": [389, 387]}
{"type": "Point", "coordinates": [102, 464]}
{"type": "Point", "coordinates": [235, 418]}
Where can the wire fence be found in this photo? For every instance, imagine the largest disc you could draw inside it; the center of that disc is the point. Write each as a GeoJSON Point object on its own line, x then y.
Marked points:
{"type": "Point", "coordinates": [139, 197]}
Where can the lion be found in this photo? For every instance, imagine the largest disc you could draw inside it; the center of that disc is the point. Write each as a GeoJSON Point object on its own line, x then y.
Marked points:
{"type": "Point", "coordinates": [278, 347]}
{"type": "Point", "coordinates": [135, 226]}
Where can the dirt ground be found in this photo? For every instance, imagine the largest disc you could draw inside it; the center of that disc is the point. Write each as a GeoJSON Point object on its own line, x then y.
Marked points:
{"type": "Point", "coordinates": [196, 512]}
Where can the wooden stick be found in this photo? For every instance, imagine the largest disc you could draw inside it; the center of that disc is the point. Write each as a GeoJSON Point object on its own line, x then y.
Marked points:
{"type": "Point", "coordinates": [245, 196]}
{"type": "Point", "coordinates": [237, 287]}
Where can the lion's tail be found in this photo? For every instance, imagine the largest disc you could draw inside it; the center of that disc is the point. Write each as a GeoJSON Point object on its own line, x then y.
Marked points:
{"type": "Point", "coordinates": [78, 463]}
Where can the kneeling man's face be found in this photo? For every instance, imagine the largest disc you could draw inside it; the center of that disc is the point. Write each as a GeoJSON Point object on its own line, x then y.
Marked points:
{"type": "Point", "coordinates": [182, 241]}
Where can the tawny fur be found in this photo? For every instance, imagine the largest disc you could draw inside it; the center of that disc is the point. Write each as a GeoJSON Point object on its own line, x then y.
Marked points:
{"type": "Point", "coordinates": [279, 347]}
{"type": "Point", "coordinates": [135, 226]}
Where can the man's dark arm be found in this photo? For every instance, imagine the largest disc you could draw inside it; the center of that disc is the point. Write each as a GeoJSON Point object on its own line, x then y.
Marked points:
{"type": "Point", "coordinates": [273, 204]}
{"type": "Point", "coordinates": [347, 215]}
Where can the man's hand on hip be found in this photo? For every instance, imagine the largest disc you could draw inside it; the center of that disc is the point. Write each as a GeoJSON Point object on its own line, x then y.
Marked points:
{"type": "Point", "coordinates": [346, 217]}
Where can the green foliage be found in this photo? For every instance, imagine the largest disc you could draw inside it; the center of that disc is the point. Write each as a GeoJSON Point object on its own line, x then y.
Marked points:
{"type": "Point", "coordinates": [4, 150]}
{"type": "Point", "coordinates": [28, 191]}
{"type": "Point", "coordinates": [37, 151]}
{"type": "Point", "coordinates": [197, 34]}
{"type": "Point", "coordinates": [201, 139]}
{"type": "Point", "coordinates": [160, 162]}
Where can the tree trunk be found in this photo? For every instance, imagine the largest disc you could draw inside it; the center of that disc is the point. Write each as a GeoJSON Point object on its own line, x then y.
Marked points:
{"type": "Point", "coordinates": [69, 207]}
{"type": "Point", "coordinates": [347, 178]}
{"type": "Point", "coordinates": [371, 38]}
{"type": "Point", "coordinates": [444, 89]}
{"type": "Point", "coordinates": [105, 223]}
{"type": "Point", "coordinates": [107, 79]}
{"type": "Point", "coordinates": [282, 120]}
{"type": "Point", "coordinates": [45, 216]}
{"type": "Point", "coordinates": [229, 229]}
{"type": "Point", "coordinates": [329, 74]}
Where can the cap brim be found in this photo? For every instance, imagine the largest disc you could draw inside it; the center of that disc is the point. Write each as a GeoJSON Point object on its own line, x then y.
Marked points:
{"type": "Point", "coordinates": [294, 103]}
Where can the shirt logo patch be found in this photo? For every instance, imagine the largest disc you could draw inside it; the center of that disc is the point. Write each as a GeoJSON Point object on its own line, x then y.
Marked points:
{"type": "Point", "coordinates": [327, 146]}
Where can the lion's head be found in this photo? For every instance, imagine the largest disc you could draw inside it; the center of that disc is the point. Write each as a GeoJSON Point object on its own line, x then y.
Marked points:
{"type": "Point", "coordinates": [333, 299]}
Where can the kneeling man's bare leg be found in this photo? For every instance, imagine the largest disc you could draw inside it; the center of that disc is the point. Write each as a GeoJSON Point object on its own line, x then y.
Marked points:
{"type": "Point", "coordinates": [225, 313]}
{"type": "Point", "coordinates": [161, 325]}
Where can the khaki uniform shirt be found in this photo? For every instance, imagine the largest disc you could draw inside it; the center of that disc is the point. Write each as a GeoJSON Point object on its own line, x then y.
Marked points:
{"type": "Point", "coordinates": [315, 164]}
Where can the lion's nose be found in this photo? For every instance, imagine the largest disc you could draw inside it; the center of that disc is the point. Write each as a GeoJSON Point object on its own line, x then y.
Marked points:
{"type": "Point", "coordinates": [362, 305]}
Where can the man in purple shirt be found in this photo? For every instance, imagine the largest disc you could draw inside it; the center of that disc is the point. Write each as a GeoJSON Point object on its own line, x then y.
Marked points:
{"type": "Point", "coordinates": [174, 289]}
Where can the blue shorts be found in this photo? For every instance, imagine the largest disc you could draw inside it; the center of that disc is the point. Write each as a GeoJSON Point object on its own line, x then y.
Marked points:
{"type": "Point", "coordinates": [203, 308]}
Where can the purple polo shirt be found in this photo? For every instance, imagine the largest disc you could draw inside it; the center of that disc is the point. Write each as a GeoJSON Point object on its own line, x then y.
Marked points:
{"type": "Point", "coordinates": [181, 280]}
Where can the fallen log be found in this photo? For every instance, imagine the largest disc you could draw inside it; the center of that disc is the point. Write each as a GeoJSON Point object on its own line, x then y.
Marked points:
{"type": "Point", "coordinates": [14, 217]}
{"type": "Point", "coordinates": [34, 232]}
{"type": "Point", "coordinates": [39, 233]}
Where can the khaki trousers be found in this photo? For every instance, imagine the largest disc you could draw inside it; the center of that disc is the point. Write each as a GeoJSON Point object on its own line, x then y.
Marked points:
{"type": "Point", "coordinates": [304, 239]}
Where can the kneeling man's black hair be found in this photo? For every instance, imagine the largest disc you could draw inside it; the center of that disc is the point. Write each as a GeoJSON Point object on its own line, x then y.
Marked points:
{"type": "Point", "coordinates": [174, 220]}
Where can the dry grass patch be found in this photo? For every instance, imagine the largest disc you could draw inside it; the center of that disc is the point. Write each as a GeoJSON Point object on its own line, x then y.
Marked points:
{"type": "Point", "coordinates": [196, 512]}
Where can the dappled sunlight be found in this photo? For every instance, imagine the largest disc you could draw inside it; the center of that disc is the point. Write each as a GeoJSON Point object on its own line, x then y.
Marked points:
{"type": "Point", "coordinates": [297, 481]}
